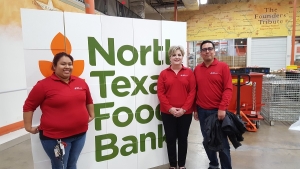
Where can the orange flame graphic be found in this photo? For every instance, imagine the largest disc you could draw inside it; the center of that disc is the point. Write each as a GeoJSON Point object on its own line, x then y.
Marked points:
{"type": "Point", "coordinates": [60, 43]}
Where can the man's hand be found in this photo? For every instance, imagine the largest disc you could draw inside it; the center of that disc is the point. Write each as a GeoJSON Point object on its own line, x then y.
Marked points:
{"type": "Point", "coordinates": [196, 116]}
{"type": "Point", "coordinates": [221, 114]}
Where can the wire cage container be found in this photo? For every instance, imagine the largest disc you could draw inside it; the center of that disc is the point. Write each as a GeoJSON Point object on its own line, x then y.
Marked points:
{"type": "Point", "coordinates": [281, 98]}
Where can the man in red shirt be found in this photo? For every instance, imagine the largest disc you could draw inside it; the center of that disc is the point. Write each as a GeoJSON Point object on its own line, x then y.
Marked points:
{"type": "Point", "coordinates": [214, 91]}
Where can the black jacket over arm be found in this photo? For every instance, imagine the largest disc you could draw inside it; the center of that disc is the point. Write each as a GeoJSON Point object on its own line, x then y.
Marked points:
{"type": "Point", "coordinates": [231, 125]}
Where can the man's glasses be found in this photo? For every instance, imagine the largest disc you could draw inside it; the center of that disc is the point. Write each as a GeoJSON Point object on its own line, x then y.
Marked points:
{"type": "Point", "coordinates": [205, 49]}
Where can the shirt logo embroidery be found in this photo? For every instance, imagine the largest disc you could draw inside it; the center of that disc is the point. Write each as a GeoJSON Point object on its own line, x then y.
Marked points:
{"type": "Point", "coordinates": [214, 73]}
{"type": "Point", "coordinates": [78, 88]}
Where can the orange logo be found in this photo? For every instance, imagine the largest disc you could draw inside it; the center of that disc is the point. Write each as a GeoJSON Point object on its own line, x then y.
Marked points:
{"type": "Point", "coordinates": [60, 43]}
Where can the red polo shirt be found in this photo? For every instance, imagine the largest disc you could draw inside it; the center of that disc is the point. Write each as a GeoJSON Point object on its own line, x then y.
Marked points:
{"type": "Point", "coordinates": [214, 85]}
{"type": "Point", "coordinates": [176, 90]}
{"type": "Point", "coordinates": [64, 111]}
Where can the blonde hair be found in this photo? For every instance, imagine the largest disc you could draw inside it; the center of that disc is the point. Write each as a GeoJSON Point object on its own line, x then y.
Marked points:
{"type": "Point", "coordinates": [173, 49]}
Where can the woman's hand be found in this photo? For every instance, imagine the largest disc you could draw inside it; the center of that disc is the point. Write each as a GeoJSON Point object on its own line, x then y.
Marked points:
{"type": "Point", "coordinates": [91, 118]}
{"type": "Point", "coordinates": [179, 112]}
{"type": "Point", "coordinates": [33, 130]}
{"type": "Point", "coordinates": [27, 118]}
{"type": "Point", "coordinates": [90, 108]}
{"type": "Point", "coordinates": [173, 111]}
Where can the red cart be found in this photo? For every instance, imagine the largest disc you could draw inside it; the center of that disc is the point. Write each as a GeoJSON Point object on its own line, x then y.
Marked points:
{"type": "Point", "coordinates": [246, 98]}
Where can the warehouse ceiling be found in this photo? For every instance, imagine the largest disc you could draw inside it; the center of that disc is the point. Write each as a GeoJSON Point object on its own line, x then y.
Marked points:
{"type": "Point", "coordinates": [162, 6]}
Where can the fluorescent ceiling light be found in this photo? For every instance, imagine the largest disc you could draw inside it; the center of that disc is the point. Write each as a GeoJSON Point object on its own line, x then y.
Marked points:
{"type": "Point", "coordinates": [203, 1]}
{"type": "Point", "coordinates": [170, 8]}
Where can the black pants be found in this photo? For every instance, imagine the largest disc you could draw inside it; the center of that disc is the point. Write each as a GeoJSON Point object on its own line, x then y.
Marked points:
{"type": "Point", "coordinates": [176, 128]}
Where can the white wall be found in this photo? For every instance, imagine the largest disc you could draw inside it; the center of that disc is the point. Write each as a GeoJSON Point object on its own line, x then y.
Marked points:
{"type": "Point", "coordinates": [288, 50]}
{"type": "Point", "coordinates": [231, 50]}
{"type": "Point", "coordinates": [12, 73]}
{"type": "Point", "coordinates": [249, 46]}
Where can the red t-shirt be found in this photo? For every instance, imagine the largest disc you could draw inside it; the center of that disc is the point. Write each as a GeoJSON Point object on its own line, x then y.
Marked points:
{"type": "Point", "coordinates": [63, 106]}
{"type": "Point", "coordinates": [214, 85]}
{"type": "Point", "coordinates": [176, 90]}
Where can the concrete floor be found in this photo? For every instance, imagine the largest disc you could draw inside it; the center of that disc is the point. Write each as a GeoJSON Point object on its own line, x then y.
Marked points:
{"type": "Point", "coordinates": [271, 147]}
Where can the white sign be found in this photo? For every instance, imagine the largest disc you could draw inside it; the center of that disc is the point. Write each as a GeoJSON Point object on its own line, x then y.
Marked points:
{"type": "Point", "coordinates": [120, 59]}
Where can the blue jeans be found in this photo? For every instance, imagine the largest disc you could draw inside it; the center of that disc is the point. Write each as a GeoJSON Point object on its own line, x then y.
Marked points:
{"type": "Point", "coordinates": [72, 151]}
{"type": "Point", "coordinates": [224, 155]}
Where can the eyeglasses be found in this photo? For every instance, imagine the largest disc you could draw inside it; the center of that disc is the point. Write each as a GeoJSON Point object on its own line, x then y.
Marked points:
{"type": "Point", "coordinates": [205, 49]}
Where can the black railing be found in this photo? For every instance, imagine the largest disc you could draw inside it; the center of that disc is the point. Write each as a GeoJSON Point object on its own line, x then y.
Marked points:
{"type": "Point", "coordinates": [126, 12]}
{"type": "Point", "coordinates": [114, 8]}
{"type": "Point", "coordinates": [101, 6]}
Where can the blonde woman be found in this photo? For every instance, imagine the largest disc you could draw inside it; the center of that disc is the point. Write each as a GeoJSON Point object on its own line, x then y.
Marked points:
{"type": "Point", "coordinates": [176, 89]}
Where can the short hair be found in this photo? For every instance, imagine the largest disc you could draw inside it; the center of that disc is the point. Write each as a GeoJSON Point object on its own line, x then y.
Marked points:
{"type": "Point", "coordinates": [174, 48]}
{"type": "Point", "coordinates": [57, 58]}
{"type": "Point", "coordinates": [207, 41]}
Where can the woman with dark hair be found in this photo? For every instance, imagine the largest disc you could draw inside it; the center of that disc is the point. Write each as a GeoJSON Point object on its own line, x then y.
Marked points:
{"type": "Point", "coordinates": [67, 108]}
